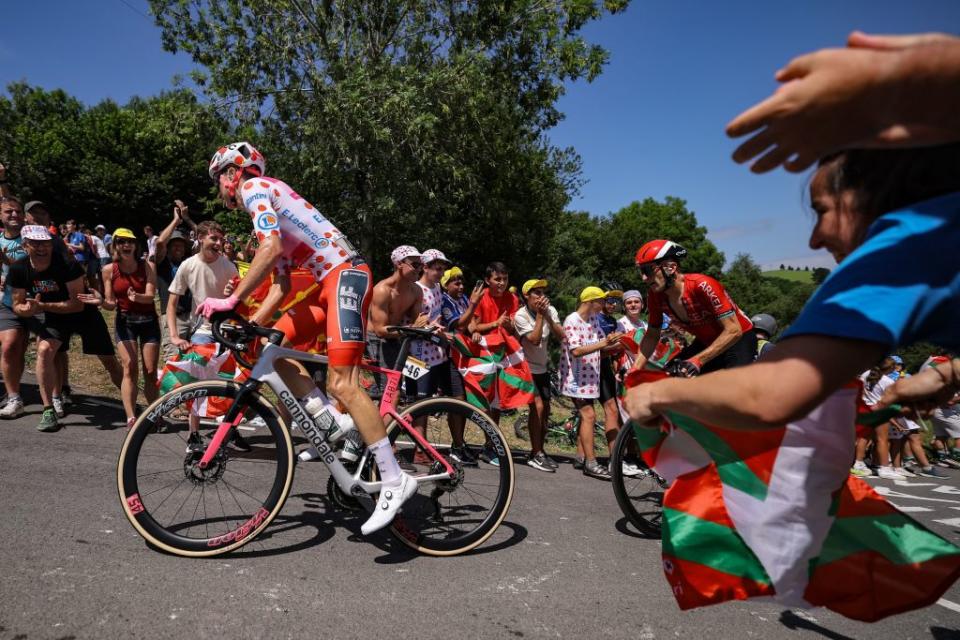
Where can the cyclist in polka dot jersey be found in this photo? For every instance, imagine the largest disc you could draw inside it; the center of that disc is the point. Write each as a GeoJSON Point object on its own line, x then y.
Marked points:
{"type": "Point", "coordinates": [292, 233]}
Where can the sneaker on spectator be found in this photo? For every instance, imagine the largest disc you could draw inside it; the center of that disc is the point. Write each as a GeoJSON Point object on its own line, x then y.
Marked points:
{"type": "Point", "coordinates": [195, 443]}
{"type": "Point", "coordinates": [12, 408]}
{"type": "Point", "coordinates": [48, 421]}
{"type": "Point", "coordinates": [550, 461]}
{"type": "Point", "coordinates": [464, 456]}
{"type": "Point", "coordinates": [629, 469]}
{"type": "Point", "coordinates": [906, 473]}
{"type": "Point", "coordinates": [539, 463]}
{"type": "Point", "coordinates": [860, 470]}
{"type": "Point", "coordinates": [887, 473]}
{"type": "Point", "coordinates": [58, 406]}
{"type": "Point", "coordinates": [948, 461]}
{"type": "Point", "coordinates": [66, 395]}
{"type": "Point", "coordinates": [933, 472]}
{"type": "Point", "coordinates": [488, 455]}
{"type": "Point", "coordinates": [578, 463]}
{"type": "Point", "coordinates": [594, 469]}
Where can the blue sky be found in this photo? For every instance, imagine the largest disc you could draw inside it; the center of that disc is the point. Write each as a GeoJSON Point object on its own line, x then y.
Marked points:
{"type": "Point", "coordinates": [650, 126]}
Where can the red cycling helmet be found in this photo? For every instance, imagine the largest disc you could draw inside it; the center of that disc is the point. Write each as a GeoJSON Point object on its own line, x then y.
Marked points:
{"type": "Point", "coordinates": [657, 250]}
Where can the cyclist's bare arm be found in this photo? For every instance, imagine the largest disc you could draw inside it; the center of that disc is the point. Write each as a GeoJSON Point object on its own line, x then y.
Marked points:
{"type": "Point", "coordinates": [731, 333]}
{"type": "Point", "coordinates": [270, 251]}
{"type": "Point", "coordinates": [794, 379]}
{"type": "Point", "coordinates": [278, 291]}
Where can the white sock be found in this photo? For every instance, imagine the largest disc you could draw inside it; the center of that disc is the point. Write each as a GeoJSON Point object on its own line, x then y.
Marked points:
{"type": "Point", "coordinates": [386, 462]}
{"type": "Point", "coordinates": [13, 396]}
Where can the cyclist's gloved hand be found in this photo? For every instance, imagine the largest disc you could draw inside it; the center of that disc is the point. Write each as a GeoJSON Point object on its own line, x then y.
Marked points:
{"type": "Point", "coordinates": [684, 368]}
{"type": "Point", "coordinates": [212, 305]}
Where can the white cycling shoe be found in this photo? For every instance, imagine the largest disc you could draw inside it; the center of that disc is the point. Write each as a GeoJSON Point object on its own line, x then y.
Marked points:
{"type": "Point", "coordinates": [389, 502]}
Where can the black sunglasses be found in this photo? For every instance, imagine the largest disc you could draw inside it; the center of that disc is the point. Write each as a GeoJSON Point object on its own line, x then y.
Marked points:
{"type": "Point", "coordinates": [648, 269]}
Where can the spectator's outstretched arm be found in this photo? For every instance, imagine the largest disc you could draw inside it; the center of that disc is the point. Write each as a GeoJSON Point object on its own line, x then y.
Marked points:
{"type": "Point", "coordinates": [161, 248]}
{"type": "Point", "coordinates": [171, 318]}
{"type": "Point", "coordinates": [880, 91]}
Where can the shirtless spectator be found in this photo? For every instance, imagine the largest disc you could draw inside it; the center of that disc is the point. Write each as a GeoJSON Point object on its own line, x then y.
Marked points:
{"type": "Point", "coordinates": [397, 300]}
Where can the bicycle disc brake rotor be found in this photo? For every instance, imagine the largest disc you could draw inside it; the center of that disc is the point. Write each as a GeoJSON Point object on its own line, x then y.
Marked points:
{"type": "Point", "coordinates": [210, 475]}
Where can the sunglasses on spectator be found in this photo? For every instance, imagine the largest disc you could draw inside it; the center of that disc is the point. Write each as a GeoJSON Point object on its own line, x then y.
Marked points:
{"type": "Point", "coordinates": [124, 241]}
{"type": "Point", "coordinates": [416, 264]}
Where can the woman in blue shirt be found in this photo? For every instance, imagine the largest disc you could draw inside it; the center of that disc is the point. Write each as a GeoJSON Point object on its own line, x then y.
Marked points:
{"type": "Point", "coordinates": [891, 218]}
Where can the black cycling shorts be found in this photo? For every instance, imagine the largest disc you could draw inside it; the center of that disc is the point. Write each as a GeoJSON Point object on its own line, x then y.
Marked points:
{"type": "Point", "coordinates": [741, 352]}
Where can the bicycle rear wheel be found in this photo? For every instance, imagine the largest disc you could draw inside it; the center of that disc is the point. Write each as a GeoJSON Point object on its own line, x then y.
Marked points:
{"type": "Point", "coordinates": [641, 497]}
{"type": "Point", "coordinates": [453, 516]}
{"type": "Point", "coordinates": [188, 511]}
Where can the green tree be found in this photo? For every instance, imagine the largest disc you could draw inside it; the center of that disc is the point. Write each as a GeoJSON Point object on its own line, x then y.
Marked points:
{"type": "Point", "coordinates": [625, 231]}
{"type": "Point", "coordinates": [110, 164]}
{"type": "Point", "coordinates": [820, 274]}
{"type": "Point", "coordinates": [404, 121]}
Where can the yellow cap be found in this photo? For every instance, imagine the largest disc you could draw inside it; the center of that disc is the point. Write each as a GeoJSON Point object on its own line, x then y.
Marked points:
{"type": "Point", "coordinates": [450, 274]}
{"type": "Point", "coordinates": [533, 284]}
{"type": "Point", "coordinates": [123, 232]}
{"type": "Point", "coordinates": [592, 293]}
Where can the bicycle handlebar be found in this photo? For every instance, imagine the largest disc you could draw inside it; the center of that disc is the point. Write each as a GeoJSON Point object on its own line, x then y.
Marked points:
{"type": "Point", "coordinates": [245, 331]}
{"type": "Point", "coordinates": [420, 333]}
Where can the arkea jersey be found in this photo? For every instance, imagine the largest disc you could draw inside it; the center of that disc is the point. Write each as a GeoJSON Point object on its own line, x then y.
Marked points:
{"type": "Point", "coordinates": [309, 240]}
{"type": "Point", "coordinates": [705, 302]}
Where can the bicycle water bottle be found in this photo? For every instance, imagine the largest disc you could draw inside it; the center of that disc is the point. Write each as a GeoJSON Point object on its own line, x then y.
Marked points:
{"type": "Point", "coordinates": [331, 422]}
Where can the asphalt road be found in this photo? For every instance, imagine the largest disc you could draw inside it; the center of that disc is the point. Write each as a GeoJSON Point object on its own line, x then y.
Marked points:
{"type": "Point", "coordinates": [564, 565]}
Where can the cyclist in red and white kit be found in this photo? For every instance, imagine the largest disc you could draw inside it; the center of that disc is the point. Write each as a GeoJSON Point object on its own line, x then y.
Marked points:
{"type": "Point", "coordinates": [699, 305]}
{"type": "Point", "coordinates": [292, 233]}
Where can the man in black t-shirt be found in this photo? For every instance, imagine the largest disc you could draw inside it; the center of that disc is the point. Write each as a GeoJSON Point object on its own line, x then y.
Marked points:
{"type": "Point", "coordinates": [45, 289]}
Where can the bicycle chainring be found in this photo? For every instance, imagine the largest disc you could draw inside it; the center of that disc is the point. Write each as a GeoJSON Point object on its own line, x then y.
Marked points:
{"type": "Point", "coordinates": [340, 499]}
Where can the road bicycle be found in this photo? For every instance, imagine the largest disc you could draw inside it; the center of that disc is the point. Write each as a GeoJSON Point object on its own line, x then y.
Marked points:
{"type": "Point", "coordinates": [640, 497]}
{"type": "Point", "coordinates": [214, 500]}
{"type": "Point", "coordinates": [565, 433]}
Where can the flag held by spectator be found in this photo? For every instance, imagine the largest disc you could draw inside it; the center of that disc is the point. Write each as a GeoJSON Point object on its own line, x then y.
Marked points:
{"type": "Point", "coordinates": [776, 513]}
{"type": "Point", "coordinates": [494, 371]}
{"type": "Point", "coordinates": [202, 362]}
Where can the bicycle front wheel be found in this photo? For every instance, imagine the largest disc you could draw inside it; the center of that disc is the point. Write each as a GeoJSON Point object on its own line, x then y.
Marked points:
{"type": "Point", "coordinates": [640, 497]}
{"type": "Point", "coordinates": [453, 516]}
{"type": "Point", "coordinates": [188, 511]}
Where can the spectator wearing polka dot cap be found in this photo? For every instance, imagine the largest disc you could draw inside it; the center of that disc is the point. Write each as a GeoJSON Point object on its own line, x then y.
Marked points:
{"type": "Point", "coordinates": [581, 349]}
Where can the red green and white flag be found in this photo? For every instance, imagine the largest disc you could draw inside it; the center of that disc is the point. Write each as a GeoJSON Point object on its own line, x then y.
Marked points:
{"type": "Point", "coordinates": [776, 513]}
{"type": "Point", "coordinates": [495, 373]}
{"type": "Point", "coordinates": [202, 362]}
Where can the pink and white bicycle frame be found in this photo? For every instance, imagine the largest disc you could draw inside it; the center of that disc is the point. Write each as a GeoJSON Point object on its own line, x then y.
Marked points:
{"type": "Point", "coordinates": [264, 372]}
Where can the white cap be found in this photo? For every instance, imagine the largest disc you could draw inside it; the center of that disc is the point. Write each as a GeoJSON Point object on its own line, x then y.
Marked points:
{"type": "Point", "coordinates": [34, 232]}
{"type": "Point", "coordinates": [100, 226]}
{"type": "Point", "coordinates": [432, 255]}
{"type": "Point", "coordinates": [403, 252]}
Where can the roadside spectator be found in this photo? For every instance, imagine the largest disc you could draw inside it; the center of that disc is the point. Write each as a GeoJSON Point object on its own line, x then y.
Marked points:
{"type": "Point", "coordinates": [105, 237]}
{"type": "Point", "coordinates": [45, 290]}
{"type": "Point", "coordinates": [151, 240]}
{"type": "Point", "coordinates": [99, 258]}
{"type": "Point", "coordinates": [764, 327]}
{"type": "Point", "coordinates": [608, 362]}
{"type": "Point", "coordinates": [230, 250]}
{"type": "Point", "coordinates": [173, 247]}
{"type": "Point", "coordinates": [37, 213]}
{"type": "Point", "coordinates": [13, 328]}
{"type": "Point", "coordinates": [875, 381]}
{"type": "Point", "coordinates": [497, 305]}
{"type": "Point", "coordinates": [129, 287]}
{"type": "Point", "coordinates": [456, 310]}
{"type": "Point", "coordinates": [583, 343]}
{"type": "Point", "coordinates": [535, 322]}
{"type": "Point", "coordinates": [201, 276]}
{"type": "Point", "coordinates": [77, 244]}
{"type": "Point", "coordinates": [396, 302]}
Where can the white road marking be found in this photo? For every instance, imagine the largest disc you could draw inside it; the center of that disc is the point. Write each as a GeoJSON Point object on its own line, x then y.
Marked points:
{"type": "Point", "coordinates": [953, 606]}
{"type": "Point", "coordinates": [950, 522]}
{"type": "Point", "coordinates": [947, 489]}
{"type": "Point", "coordinates": [890, 493]}
{"type": "Point", "coordinates": [907, 483]}
{"type": "Point", "coordinates": [906, 509]}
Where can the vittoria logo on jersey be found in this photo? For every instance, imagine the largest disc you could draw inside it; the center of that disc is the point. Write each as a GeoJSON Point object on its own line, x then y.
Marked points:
{"type": "Point", "coordinates": [351, 286]}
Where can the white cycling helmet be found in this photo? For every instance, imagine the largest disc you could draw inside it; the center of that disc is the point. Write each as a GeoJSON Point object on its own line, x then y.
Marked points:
{"type": "Point", "coordinates": [239, 154]}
